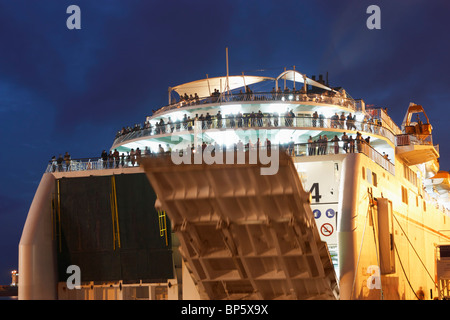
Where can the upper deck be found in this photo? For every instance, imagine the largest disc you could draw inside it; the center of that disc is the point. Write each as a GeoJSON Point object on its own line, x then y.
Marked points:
{"type": "Point", "coordinates": [227, 110]}
{"type": "Point", "coordinates": [240, 102]}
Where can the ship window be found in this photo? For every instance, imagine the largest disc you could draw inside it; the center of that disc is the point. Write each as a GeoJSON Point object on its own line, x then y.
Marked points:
{"type": "Point", "coordinates": [374, 179]}
{"type": "Point", "coordinates": [410, 175]}
{"type": "Point", "coordinates": [369, 176]}
{"type": "Point", "coordinates": [404, 195]}
{"type": "Point", "coordinates": [417, 201]}
{"type": "Point", "coordinates": [363, 173]}
{"type": "Point", "coordinates": [424, 206]}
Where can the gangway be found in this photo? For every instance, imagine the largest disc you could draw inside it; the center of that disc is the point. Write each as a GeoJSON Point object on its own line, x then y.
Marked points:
{"type": "Point", "coordinates": [244, 235]}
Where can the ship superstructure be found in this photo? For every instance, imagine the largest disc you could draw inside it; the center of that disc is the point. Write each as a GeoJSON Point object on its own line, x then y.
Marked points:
{"type": "Point", "coordinates": [350, 189]}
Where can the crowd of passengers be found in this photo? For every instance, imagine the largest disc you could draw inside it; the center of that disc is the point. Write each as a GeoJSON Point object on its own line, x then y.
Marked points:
{"type": "Point", "coordinates": [317, 95]}
{"type": "Point", "coordinates": [253, 119]}
{"type": "Point", "coordinates": [61, 163]}
{"type": "Point", "coordinates": [319, 146]}
{"type": "Point", "coordinates": [247, 120]}
{"type": "Point", "coordinates": [322, 145]}
{"type": "Point", "coordinates": [275, 94]}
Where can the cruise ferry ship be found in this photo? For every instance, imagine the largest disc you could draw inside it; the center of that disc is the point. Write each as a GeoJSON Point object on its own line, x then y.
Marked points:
{"type": "Point", "coordinates": [247, 187]}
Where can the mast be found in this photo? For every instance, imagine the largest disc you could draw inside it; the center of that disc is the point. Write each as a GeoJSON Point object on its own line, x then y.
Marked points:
{"type": "Point", "coordinates": [228, 84]}
{"type": "Point", "coordinates": [209, 88]}
{"type": "Point", "coordinates": [305, 86]}
{"type": "Point", "coordinates": [294, 78]}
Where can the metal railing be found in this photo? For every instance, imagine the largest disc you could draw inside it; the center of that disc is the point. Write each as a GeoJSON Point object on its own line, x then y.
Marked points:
{"type": "Point", "coordinates": [262, 96]}
{"type": "Point", "coordinates": [259, 121]}
{"type": "Point", "coordinates": [342, 147]}
{"type": "Point", "coordinates": [411, 139]}
{"type": "Point", "coordinates": [377, 158]}
{"type": "Point", "coordinates": [81, 164]}
{"type": "Point", "coordinates": [316, 148]}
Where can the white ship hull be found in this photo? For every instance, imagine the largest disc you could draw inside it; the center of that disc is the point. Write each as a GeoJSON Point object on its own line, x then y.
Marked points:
{"type": "Point", "coordinates": [381, 223]}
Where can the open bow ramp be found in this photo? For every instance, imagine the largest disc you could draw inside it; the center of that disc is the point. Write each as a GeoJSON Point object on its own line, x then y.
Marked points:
{"type": "Point", "coordinates": [244, 235]}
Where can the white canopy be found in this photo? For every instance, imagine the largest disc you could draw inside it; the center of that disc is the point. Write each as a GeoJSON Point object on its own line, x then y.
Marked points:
{"type": "Point", "coordinates": [296, 76]}
{"type": "Point", "coordinates": [205, 87]}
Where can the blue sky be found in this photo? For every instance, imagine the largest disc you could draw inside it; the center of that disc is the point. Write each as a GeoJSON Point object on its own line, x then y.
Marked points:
{"type": "Point", "coordinates": [71, 90]}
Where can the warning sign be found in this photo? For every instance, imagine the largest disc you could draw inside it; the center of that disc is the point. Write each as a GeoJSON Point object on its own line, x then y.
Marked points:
{"type": "Point", "coordinates": [317, 214]}
{"type": "Point", "coordinates": [326, 229]}
{"type": "Point", "coordinates": [330, 213]}
{"type": "Point", "coordinates": [326, 221]}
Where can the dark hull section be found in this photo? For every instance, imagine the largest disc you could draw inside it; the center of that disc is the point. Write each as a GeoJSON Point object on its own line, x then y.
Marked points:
{"type": "Point", "coordinates": [108, 226]}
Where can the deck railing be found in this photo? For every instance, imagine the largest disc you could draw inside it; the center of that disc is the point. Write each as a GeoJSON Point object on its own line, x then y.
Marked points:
{"type": "Point", "coordinates": [318, 148]}
{"type": "Point", "coordinates": [262, 96]}
{"type": "Point", "coordinates": [262, 122]}
{"type": "Point", "coordinates": [411, 139]}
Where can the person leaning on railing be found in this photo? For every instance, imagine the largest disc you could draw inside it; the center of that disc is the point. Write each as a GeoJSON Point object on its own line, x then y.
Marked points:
{"type": "Point", "coordinates": [219, 119]}
{"type": "Point", "coordinates": [59, 162]}
{"type": "Point", "coordinates": [311, 147]}
{"type": "Point", "coordinates": [359, 141]}
{"type": "Point", "coordinates": [351, 143]}
{"type": "Point", "coordinates": [335, 141]}
{"type": "Point", "coordinates": [104, 157]}
{"type": "Point", "coordinates": [53, 164]}
{"type": "Point", "coordinates": [347, 141]}
{"type": "Point", "coordinates": [67, 160]}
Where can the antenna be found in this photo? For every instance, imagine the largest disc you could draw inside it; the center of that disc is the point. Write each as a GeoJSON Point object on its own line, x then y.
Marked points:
{"type": "Point", "coordinates": [209, 88]}
{"type": "Point", "coordinates": [294, 78]}
{"type": "Point", "coordinates": [228, 84]}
